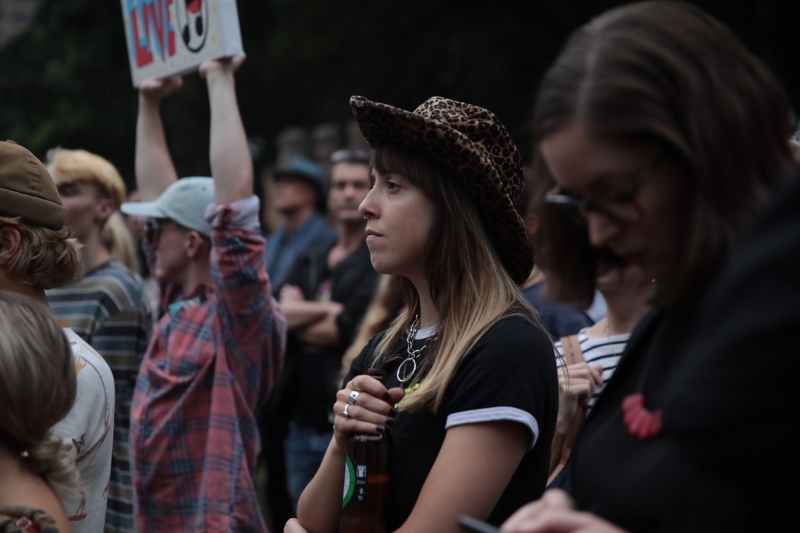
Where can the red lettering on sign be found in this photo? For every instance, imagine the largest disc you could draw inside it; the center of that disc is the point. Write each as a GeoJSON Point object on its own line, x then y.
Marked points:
{"type": "Point", "coordinates": [143, 55]}
{"type": "Point", "coordinates": [156, 30]}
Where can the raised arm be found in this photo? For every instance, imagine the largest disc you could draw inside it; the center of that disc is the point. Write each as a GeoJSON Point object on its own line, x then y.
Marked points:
{"type": "Point", "coordinates": [231, 165]}
{"type": "Point", "coordinates": [253, 327]}
{"type": "Point", "coordinates": [154, 168]}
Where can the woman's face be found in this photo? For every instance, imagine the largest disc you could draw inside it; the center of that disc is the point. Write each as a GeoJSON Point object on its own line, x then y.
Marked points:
{"type": "Point", "coordinates": [399, 218]}
{"type": "Point", "coordinates": [627, 193]}
{"type": "Point", "coordinates": [626, 280]}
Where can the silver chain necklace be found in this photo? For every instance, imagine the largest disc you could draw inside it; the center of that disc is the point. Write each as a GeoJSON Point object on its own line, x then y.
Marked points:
{"type": "Point", "coordinates": [408, 367]}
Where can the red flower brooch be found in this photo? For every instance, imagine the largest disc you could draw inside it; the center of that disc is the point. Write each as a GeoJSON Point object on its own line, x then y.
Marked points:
{"type": "Point", "coordinates": [641, 423]}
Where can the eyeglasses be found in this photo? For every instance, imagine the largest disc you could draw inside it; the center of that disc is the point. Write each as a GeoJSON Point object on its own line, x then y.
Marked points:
{"type": "Point", "coordinates": [152, 231]}
{"type": "Point", "coordinates": [619, 205]}
{"type": "Point", "coordinates": [154, 227]}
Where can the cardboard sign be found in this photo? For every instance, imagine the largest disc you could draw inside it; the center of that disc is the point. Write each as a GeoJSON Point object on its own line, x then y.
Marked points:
{"type": "Point", "coordinates": [169, 37]}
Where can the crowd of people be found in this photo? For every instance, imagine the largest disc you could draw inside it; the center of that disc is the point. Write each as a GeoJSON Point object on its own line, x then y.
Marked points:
{"type": "Point", "coordinates": [157, 349]}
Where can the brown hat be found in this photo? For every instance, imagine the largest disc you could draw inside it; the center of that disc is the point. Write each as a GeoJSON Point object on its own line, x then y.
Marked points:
{"type": "Point", "coordinates": [27, 190]}
{"type": "Point", "coordinates": [475, 147]}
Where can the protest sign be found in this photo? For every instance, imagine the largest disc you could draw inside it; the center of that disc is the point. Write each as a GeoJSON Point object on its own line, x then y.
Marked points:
{"type": "Point", "coordinates": [169, 37]}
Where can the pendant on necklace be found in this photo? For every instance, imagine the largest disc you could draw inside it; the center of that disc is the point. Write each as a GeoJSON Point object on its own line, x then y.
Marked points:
{"type": "Point", "coordinates": [406, 370]}
{"type": "Point", "coordinates": [641, 423]}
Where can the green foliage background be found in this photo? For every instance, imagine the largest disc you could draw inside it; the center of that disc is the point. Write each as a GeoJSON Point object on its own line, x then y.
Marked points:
{"type": "Point", "coordinates": [66, 80]}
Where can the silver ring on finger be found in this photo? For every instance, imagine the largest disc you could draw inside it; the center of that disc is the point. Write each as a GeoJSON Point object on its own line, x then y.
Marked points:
{"type": "Point", "coordinates": [345, 414]}
{"type": "Point", "coordinates": [353, 397]}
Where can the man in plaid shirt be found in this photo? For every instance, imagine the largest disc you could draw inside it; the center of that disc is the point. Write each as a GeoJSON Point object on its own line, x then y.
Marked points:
{"type": "Point", "coordinates": [216, 350]}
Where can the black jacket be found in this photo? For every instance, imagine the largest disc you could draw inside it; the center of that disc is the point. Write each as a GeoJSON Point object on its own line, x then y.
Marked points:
{"type": "Point", "coordinates": [725, 376]}
{"type": "Point", "coordinates": [306, 387]}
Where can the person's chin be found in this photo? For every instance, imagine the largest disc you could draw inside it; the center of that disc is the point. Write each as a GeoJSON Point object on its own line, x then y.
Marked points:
{"type": "Point", "coordinates": [162, 275]}
{"type": "Point", "coordinates": [381, 267]}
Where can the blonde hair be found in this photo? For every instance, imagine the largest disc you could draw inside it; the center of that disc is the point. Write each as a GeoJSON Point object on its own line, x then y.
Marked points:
{"type": "Point", "coordinates": [117, 239]}
{"type": "Point", "coordinates": [384, 308]}
{"type": "Point", "coordinates": [468, 283]}
{"type": "Point", "coordinates": [38, 385]}
{"type": "Point", "coordinates": [71, 166]}
{"type": "Point", "coordinates": [46, 259]}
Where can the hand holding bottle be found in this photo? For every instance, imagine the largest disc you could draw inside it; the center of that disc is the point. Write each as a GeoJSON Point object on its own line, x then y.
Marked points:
{"type": "Point", "coordinates": [369, 454]}
{"type": "Point", "coordinates": [370, 413]}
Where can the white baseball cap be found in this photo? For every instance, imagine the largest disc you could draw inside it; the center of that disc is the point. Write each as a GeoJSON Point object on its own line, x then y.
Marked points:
{"type": "Point", "coordinates": [184, 202]}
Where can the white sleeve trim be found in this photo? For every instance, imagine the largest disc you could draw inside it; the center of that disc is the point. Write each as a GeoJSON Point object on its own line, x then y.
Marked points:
{"type": "Point", "coordinates": [496, 414]}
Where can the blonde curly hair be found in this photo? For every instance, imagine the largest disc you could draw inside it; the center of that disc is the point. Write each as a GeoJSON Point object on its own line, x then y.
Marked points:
{"type": "Point", "coordinates": [46, 259]}
{"type": "Point", "coordinates": [38, 385]}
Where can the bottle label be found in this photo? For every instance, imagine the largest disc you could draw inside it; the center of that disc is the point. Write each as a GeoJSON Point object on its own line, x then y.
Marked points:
{"type": "Point", "coordinates": [349, 478]}
{"type": "Point", "coordinates": [361, 483]}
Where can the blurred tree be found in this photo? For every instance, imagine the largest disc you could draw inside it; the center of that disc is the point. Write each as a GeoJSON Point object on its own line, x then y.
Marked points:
{"type": "Point", "coordinates": [66, 81]}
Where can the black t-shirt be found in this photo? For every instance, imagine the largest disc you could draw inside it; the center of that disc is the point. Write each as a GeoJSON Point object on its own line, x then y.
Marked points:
{"type": "Point", "coordinates": [510, 374]}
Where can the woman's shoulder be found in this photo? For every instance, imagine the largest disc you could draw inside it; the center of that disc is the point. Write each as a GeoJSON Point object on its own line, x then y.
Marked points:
{"type": "Point", "coordinates": [515, 341]}
{"type": "Point", "coordinates": [511, 369]}
{"type": "Point", "coordinates": [517, 331]}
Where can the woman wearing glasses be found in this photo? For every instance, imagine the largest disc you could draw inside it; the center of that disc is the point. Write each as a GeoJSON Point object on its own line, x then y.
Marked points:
{"type": "Point", "coordinates": [662, 135]}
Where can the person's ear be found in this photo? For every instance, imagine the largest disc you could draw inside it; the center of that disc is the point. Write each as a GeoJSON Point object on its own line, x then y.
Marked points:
{"type": "Point", "coordinates": [195, 244]}
{"type": "Point", "coordinates": [10, 240]}
{"type": "Point", "coordinates": [531, 221]}
{"type": "Point", "coordinates": [103, 210]}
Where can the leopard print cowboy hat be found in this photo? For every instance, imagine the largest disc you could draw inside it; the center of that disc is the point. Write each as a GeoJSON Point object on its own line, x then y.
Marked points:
{"type": "Point", "coordinates": [475, 147]}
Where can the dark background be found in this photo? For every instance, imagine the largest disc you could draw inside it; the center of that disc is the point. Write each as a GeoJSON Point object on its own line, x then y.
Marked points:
{"type": "Point", "coordinates": [66, 80]}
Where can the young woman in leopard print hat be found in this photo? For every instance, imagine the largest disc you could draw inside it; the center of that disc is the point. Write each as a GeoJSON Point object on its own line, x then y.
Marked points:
{"type": "Point", "coordinates": [470, 397]}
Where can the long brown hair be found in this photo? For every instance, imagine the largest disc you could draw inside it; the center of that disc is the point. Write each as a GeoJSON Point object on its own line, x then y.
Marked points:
{"type": "Point", "coordinates": [670, 74]}
{"type": "Point", "coordinates": [468, 283]}
{"type": "Point", "coordinates": [38, 384]}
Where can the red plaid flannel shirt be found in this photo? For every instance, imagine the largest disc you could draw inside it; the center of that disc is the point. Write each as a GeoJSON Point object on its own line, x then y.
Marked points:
{"type": "Point", "coordinates": [212, 359]}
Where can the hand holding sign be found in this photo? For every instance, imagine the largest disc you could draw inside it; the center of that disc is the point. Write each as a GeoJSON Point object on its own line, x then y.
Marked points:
{"type": "Point", "coordinates": [157, 90]}
{"type": "Point", "coordinates": [225, 64]}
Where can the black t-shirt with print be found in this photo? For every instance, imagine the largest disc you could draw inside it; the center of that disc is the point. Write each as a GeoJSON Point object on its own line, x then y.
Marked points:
{"type": "Point", "coordinates": [510, 374]}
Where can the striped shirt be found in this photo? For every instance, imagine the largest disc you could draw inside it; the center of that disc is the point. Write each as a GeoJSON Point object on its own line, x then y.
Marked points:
{"type": "Point", "coordinates": [107, 309]}
{"type": "Point", "coordinates": [212, 360]}
{"type": "Point", "coordinates": [605, 351]}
